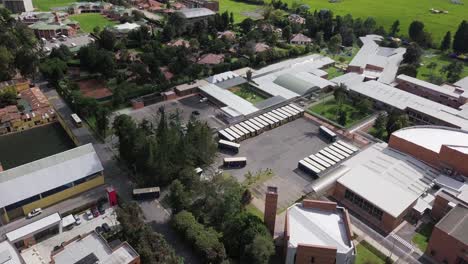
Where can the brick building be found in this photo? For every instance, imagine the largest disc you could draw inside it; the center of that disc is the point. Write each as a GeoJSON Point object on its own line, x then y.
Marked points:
{"type": "Point", "coordinates": [449, 239]}
{"type": "Point", "coordinates": [318, 232]}
{"type": "Point", "coordinates": [448, 95]}
{"type": "Point", "coordinates": [55, 28]}
{"type": "Point", "coordinates": [212, 5]}
{"type": "Point", "coordinates": [18, 6]}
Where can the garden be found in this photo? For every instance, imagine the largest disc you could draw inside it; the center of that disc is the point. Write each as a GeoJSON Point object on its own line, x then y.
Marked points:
{"type": "Point", "coordinates": [422, 235]}
{"type": "Point", "coordinates": [366, 254]}
{"type": "Point", "coordinates": [246, 92]}
{"type": "Point", "coordinates": [91, 20]}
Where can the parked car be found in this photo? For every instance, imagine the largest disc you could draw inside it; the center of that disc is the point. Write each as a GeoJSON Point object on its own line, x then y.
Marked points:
{"type": "Point", "coordinates": [195, 112]}
{"type": "Point", "coordinates": [89, 215]}
{"type": "Point", "coordinates": [95, 211]}
{"type": "Point", "coordinates": [98, 229]}
{"type": "Point", "coordinates": [77, 220]}
{"type": "Point", "coordinates": [106, 227]}
{"type": "Point", "coordinates": [35, 212]}
{"type": "Point", "coordinates": [204, 99]}
{"type": "Point", "coordinates": [101, 208]}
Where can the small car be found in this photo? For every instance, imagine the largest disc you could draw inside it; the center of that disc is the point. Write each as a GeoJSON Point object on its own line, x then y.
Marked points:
{"type": "Point", "coordinates": [195, 112]}
{"type": "Point", "coordinates": [35, 212]}
{"type": "Point", "coordinates": [89, 215]}
{"type": "Point", "coordinates": [98, 229]}
{"type": "Point", "coordinates": [95, 211]}
{"type": "Point", "coordinates": [77, 220]}
{"type": "Point", "coordinates": [106, 227]}
{"type": "Point", "coordinates": [101, 209]}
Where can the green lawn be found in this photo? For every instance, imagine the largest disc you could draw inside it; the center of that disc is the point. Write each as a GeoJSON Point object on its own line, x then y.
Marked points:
{"type": "Point", "coordinates": [89, 21]}
{"type": "Point", "coordinates": [247, 94]}
{"type": "Point", "coordinates": [46, 5]}
{"type": "Point", "coordinates": [441, 60]}
{"type": "Point", "coordinates": [329, 110]}
{"type": "Point", "coordinates": [239, 9]}
{"type": "Point", "coordinates": [333, 72]}
{"type": "Point", "coordinates": [367, 254]}
{"type": "Point", "coordinates": [423, 233]}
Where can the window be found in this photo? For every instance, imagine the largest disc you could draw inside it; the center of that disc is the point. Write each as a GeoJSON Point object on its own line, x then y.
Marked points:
{"type": "Point", "coordinates": [363, 204]}
{"type": "Point", "coordinates": [312, 259]}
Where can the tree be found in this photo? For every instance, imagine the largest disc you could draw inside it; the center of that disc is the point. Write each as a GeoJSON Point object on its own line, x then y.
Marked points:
{"type": "Point", "coordinates": [396, 121]}
{"type": "Point", "coordinates": [8, 97]}
{"type": "Point", "coordinates": [260, 250]}
{"type": "Point", "coordinates": [102, 120]}
{"type": "Point", "coordinates": [445, 45]}
{"type": "Point", "coordinates": [247, 25]}
{"type": "Point", "coordinates": [395, 28]}
{"type": "Point", "coordinates": [364, 106]}
{"type": "Point", "coordinates": [416, 31]}
{"type": "Point", "coordinates": [287, 33]}
{"type": "Point", "coordinates": [342, 116]}
{"type": "Point", "coordinates": [53, 69]}
{"type": "Point", "coordinates": [413, 54]}
{"type": "Point", "coordinates": [408, 69]}
{"type": "Point", "coordinates": [178, 197]}
{"type": "Point", "coordinates": [340, 93]}
{"type": "Point", "coordinates": [431, 66]}
{"type": "Point", "coordinates": [334, 44]}
{"type": "Point", "coordinates": [62, 52]}
{"type": "Point", "coordinates": [105, 63]}
{"type": "Point", "coordinates": [6, 61]}
{"type": "Point", "coordinates": [460, 39]}
{"type": "Point", "coordinates": [107, 39]}
{"type": "Point", "coordinates": [380, 126]}
{"type": "Point", "coordinates": [453, 71]}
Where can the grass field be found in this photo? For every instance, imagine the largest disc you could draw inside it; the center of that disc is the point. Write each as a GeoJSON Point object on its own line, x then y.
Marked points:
{"type": "Point", "coordinates": [46, 5]}
{"type": "Point", "coordinates": [441, 60]}
{"type": "Point", "coordinates": [368, 254]}
{"type": "Point", "coordinates": [329, 110]}
{"type": "Point", "coordinates": [421, 238]}
{"type": "Point", "coordinates": [239, 9]}
{"type": "Point", "coordinates": [385, 12]}
{"type": "Point", "coordinates": [89, 21]}
{"type": "Point", "coordinates": [247, 94]}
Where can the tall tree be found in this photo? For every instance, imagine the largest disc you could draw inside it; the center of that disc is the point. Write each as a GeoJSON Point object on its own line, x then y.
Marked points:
{"type": "Point", "coordinates": [395, 28]}
{"type": "Point", "coordinates": [6, 61]}
{"type": "Point", "coordinates": [460, 40]}
{"type": "Point", "coordinates": [445, 44]}
{"type": "Point", "coordinates": [413, 54]}
{"type": "Point", "coordinates": [453, 71]}
{"type": "Point", "coordinates": [53, 69]}
{"type": "Point", "coordinates": [107, 39]}
{"type": "Point", "coordinates": [102, 120]}
{"type": "Point", "coordinates": [416, 31]}
{"type": "Point", "coordinates": [334, 44]}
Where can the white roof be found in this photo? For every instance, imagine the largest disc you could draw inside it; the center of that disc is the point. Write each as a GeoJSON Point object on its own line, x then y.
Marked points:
{"type": "Point", "coordinates": [126, 26]}
{"type": "Point", "coordinates": [8, 254]}
{"type": "Point", "coordinates": [350, 78]}
{"type": "Point", "coordinates": [317, 227]}
{"type": "Point", "coordinates": [390, 180]}
{"type": "Point", "coordinates": [195, 12]}
{"type": "Point", "coordinates": [42, 175]}
{"type": "Point", "coordinates": [402, 100]}
{"type": "Point", "coordinates": [222, 77]}
{"type": "Point", "coordinates": [433, 137]}
{"type": "Point", "coordinates": [34, 227]}
{"type": "Point", "coordinates": [94, 244]}
{"type": "Point", "coordinates": [231, 100]}
{"type": "Point", "coordinates": [462, 83]}
{"type": "Point", "coordinates": [371, 53]}
{"type": "Point", "coordinates": [68, 220]}
{"type": "Point", "coordinates": [319, 72]}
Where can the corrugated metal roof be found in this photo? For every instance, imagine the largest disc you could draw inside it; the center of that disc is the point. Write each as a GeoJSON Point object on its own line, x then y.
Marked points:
{"type": "Point", "coordinates": [196, 12]}
{"type": "Point", "coordinates": [38, 225]}
{"type": "Point", "coordinates": [42, 175]}
{"type": "Point", "coordinates": [455, 223]}
{"type": "Point", "coordinates": [229, 99]}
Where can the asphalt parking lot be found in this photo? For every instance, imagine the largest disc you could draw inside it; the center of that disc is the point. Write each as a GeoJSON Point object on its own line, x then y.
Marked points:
{"type": "Point", "coordinates": [205, 111]}
{"type": "Point", "coordinates": [280, 149]}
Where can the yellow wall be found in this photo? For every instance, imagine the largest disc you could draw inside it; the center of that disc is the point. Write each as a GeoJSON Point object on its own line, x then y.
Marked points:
{"type": "Point", "coordinates": [22, 86]}
{"type": "Point", "coordinates": [66, 128]}
{"type": "Point", "coordinates": [63, 195]}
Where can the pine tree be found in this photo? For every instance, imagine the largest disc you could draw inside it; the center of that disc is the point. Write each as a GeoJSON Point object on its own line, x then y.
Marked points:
{"type": "Point", "coordinates": [445, 45]}
{"type": "Point", "coordinates": [460, 39]}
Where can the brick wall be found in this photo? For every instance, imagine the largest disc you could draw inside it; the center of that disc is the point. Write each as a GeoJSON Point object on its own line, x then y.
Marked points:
{"type": "Point", "coordinates": [414, 150]}
{"type": "Point", "coordinates": [322, 205]}
{"type": "Point", "coordinates": [439, 208]}
{"type": "Point", "coordinates": [307, 254]}
{"type": "Point", "coordinates": [271, 202]}
{"type": "Point", "coordinates": [443, 247]}
{"type": "Point", "coordinates": [455, 159]}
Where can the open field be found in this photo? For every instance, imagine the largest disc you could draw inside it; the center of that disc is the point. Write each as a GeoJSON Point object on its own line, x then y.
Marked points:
{"type": "Point", "coordinates": [441, 60]}
{"type": "Point", "coordinates": [91, 20]}
{"type": "Point", "coordinates": [46, 5]}
{"type": "Point", "coordinates": [368, 254]}
{"type": "Point", "coordinates": [385, 12]}
{"type": "Point", "coordinates": [329, 109]}
{"type": "Point", "coordinates": [422, 235]}
{"type": "Point", "coordinates": [240, 10]}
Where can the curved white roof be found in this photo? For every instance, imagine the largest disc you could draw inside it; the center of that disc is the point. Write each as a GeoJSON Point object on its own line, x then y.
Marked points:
{"type": "Point", "coordinates": [433, 137]}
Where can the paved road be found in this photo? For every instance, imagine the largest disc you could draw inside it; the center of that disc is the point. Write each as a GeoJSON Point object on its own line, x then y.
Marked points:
{"type": "Point", "coordinates": [118, 177]}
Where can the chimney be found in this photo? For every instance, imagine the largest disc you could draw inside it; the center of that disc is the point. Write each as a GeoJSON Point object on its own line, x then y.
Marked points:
{"type": "Point", "coordinates": [271, 202]}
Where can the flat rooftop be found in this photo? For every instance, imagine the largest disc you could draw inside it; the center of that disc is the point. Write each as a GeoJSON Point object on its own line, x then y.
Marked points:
{"type": "Point", "coordinates": [95, 248]}
{"type": "Point", "coordinates": [239, 105]}
{"type": "Point", "coordinates": [434, 137]}
{"type": "Point", "coordinates": [389, 179]}
{"type": "Point", "coordinates": [8, 254]}
{"type": "Point", "coordinates": [33, 227]}
{"type": "Point", "coordinates": [318, 227]}
{"type": "Point", "coordinates": [455, 223]}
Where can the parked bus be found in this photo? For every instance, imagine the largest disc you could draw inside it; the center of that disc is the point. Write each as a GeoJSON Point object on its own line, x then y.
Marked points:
{"type": "Point", "coordinates": [315, 164]}
{"type": "Point", "coordinates": [351, 147]}
{"type": "Point", "coordinates": [308, 168]}
{"type": "Point", "coordinates": [146, 193]}
{"type": "Point", "coordinates": [250, 123]}
{"type": "Point", "coordinates": [241, 134]}
{"type": "Point", "coordinates": [236, 136]}
{"type": "Point", "coordinates": [320, 161]}
{"type": "Point", "coordinates": [289, 116]}
{"type": "Point", "coordinates": [235, 162]}
{"type": "Point", "coordinates": [294, 113]}
{"type": "Point", "coordinates": [325, 158]}
{"type": "Point", "coordinates": [342, 148]}
{"type": "Point", "coordinates": [271, 123]}
{"type": "Point", "coordinates": [76, 120]}
{"type": "Point", "coordinates": [301, 111]}
{"type": "Point", "coordinates": [327, 133]}
{"type": "Point", "coordinates": [275, 121]}
{"type": "Point", "coordinates": [223, 134]}
{"type": "Point", "coordinates": [329, 156]}
{"type": "Point", "coordinates": [234, 147]}
{"type": "Point", "coordinates": [339, 151]}
{"type": "Point", "coordinates": [265, 124]}
{"type": "Point", "coordinates": [332, 152]}
{"type": "Point", "coordinates": [244, 130]}
{"type": "Point", "coordinates": [282, 120]}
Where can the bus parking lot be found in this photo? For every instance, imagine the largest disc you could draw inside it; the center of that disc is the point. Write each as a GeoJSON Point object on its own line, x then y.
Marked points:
{"type": "Point", "coordinates": [280, 149]}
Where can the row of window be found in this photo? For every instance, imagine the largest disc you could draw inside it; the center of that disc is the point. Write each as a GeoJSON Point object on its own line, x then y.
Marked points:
{"type": "Point", "coordinates": [50, 192]}
{"type": "Point", "coordinates": [363, 204]}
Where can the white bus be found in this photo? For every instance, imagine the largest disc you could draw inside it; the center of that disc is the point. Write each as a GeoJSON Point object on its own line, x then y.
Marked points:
{"type": "Point", "coordinates": [236, 136]}
{"type": "Point", "coordinates": [297, 108]}
{"type": "Point", "coordinates": [329, 156]}
{"type": "Point", "coordinates": [238, 132]}
{"type": "Point", "coordinates": [315, 164]}
{"type": "Point", "coordinates": [76, 120]}
{"type": "Point", "coordinates": [283, 119]}
{"type": "Point", "coordinates": [265, 124]}
{"type": "Point", "coordinates": [289, 116]}
{"type": "Point", "coordinates": [276, 122]}
{"type": "Point", "coordinates": [255, 127]}
{"type": "Point", "coordinates": [232, 146]}
{"type": "Point", "coordinates": [225, 135]}
{"type": "Point", "coordinates": [342, 148]}
{"type": "Point", "coordinates": [308, 168]}
{"type": "Point", "coordinates": [253, 131]}
{"type": "Point", "coordinates": [334, 153]}
{"type": "Point", "coordinates": [320, 161]}
{"type": "Point", "coordinates": [271, 123]}
{"type": "Point", "coordinates": [235, 162]}
{"type": "Point", "coordinates": [293, 112]}
{"type": "Point", "coordinates": [339, 151]}
{"type": "Point", "coordinates": [351, 147]}
{"type": "Point", "coordinates": [325, 158]}
{"type": "Point", "coordinates": [327, 133]}
{"type": "Point", "coordinates": [245, 131]}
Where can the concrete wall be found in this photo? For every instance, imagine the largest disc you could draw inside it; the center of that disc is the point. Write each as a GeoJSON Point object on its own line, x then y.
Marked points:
{"type": "Point", "coordinates": [60, 196]}
{"type": "Point", "coordinates": [443, 247]}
